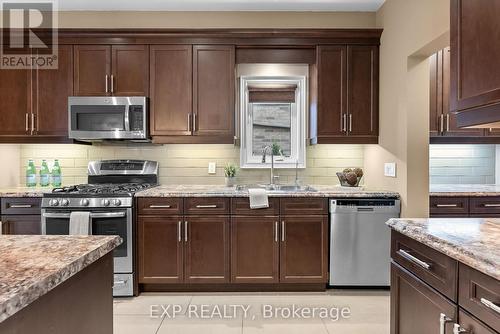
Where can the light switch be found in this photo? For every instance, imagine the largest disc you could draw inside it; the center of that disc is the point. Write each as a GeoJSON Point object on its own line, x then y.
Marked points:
{"type": "Point", "coordinates": [212, 168]}
{"type": "Point", "coordinates": [390, 169]}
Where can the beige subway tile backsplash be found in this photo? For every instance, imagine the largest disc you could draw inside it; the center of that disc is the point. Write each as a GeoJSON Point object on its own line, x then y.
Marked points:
{"type": "Point", "coordinates": [188, 163]}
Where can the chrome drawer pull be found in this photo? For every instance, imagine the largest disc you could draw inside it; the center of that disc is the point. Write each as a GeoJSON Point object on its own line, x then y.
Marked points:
{"type": "Point", "coordinates": [21, 206]}
{"type": "Point", "coordinates": [212, 206]}
{"type": "Point", "coordinates": [490, 305]}
{"type": "Point", "coordinates": [185, 231]}
{"type": "Point", "coordinates": [413, 259]}
{"type": "Point", "coordinates": [457, 329]}
{"type": "Point", "coordinates": [443, 320]}
{"type": "Point", "coordinates": [497, 205]}
{"type": "Point", "coordinates": [179, 231]}
{"type": "Point", "coordinates": [157, 206]}
{"type": "Point", "coordinates": [446, 205]}
{"type": "Point", "coordinates": [275, 231]}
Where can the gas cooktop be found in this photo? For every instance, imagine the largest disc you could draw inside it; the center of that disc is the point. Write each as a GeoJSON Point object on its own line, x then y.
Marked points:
{"type": "Point", "coordinates": [97, 190]}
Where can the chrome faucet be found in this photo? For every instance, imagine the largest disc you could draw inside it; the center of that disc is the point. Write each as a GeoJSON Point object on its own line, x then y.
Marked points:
{"type": "Point", "coordinates": [264, 154]}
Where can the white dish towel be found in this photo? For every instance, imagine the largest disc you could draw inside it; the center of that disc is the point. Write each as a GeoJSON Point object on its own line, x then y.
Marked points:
{"type": "Point", "coordinates": [79, 223]}
{"type": "Point", "coordinates": [258, 198]}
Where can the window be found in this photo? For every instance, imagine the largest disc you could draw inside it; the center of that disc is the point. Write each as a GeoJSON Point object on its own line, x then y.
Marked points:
{"type": "Point", "coordinates": [273, 115]}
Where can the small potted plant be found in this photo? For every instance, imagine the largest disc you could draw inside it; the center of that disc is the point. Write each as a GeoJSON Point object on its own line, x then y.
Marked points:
{"type": "Point", "coordinates": [230, 174]}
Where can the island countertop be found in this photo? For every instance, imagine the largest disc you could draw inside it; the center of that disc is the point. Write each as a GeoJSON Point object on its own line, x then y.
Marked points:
{"type": "Point", "coordinates": [31, 266]}
{"type": "Point", "coordinates": [457, 190]}
{"type": "Point", "coordinates": [472, 241]}
{"type": "Point", "coordinates": [222, 191]}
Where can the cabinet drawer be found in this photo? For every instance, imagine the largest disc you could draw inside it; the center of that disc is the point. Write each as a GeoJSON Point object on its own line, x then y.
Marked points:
{"type": "Point", "coordinates": [484, 205]}
{"type": "Point", "coordinates": [431, 266]}
{"type": "Point", "coordinates": [304, 206]}
{"type": "Point", "coordinates": [479, 294]}
{"type": "Point", "coordinates": [449, 206]}
{"type": "Point", "coordinates": [241, 206]}
{"type": "Point", "coordinates": [21, 206]}
{"type": "Point", "coordinates": [157, 206]}
{"type": "Point", "coordinates": [206, 205]}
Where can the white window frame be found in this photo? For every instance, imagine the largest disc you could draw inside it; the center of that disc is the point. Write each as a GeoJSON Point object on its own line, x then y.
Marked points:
{"type": "Point", "coordinates": [298, 123]}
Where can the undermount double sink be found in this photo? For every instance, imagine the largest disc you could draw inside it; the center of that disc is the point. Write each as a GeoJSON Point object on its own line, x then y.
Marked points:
{"type": "Point", "coordinates": [276, 188]}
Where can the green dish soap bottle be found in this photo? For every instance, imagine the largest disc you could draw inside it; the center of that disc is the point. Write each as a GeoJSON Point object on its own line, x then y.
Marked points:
{"type": "Point", "coordinates": [56, 174]}
{"type": "Point", "coordinates": [31, 174]}
{"type": "Point", "coordinates": [44, 174]}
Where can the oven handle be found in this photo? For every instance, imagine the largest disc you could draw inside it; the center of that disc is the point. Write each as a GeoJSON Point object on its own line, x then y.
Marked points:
{"type": "Point", "coordinates": [92, 215]}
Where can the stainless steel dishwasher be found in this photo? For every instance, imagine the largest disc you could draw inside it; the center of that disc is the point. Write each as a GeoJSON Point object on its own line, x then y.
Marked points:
{"type": "Point", "coordinates": [360, 241]}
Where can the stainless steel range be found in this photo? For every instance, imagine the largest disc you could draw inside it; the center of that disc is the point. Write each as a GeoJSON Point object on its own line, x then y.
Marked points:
{"type": "Point", "coordinates": [109, 198]}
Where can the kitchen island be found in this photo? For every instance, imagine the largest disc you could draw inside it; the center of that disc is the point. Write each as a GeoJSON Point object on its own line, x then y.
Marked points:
{"type": "Point", "coordinates": [445, 275]}
{"type": "Point", "coordinates": [56, 284]}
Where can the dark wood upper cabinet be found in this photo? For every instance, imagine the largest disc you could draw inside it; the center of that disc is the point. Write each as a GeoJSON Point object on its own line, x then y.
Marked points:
{"type": "Point", "coordinates": [52, 90]}
{"type": "Point", "coordinates": [347, 84]}
{"type": "Point", "coordinates": [304, 249]}
{"type": "Point", "coordinates": [92, 70]}
{"type": "Point", "coordinates": [255, 249]}
{"type": "Point", "coordinates": [160, 249]}
{"type": "Point", "coordinates": [213, 91]}
{"type": "Point", "coordinates": [15, 102]}
{"type": "Point", "coordinates": [129, 70]}
{"type": "Point", "coordinates": [171, 78]}
{"type": "Point", "coordinates": [475, 62]}
{"type": "Point", "coordinates": [207, 249]}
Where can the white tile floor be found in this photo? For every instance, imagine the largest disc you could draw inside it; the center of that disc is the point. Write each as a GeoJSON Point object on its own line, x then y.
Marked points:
{"type": "Point", "coordinates": [369, 313]}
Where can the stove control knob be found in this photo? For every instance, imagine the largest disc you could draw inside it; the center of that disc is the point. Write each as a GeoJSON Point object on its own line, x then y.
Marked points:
{"type": "Point", "coordinates": [105, 202]}
{"type": "Point", "coordinates": [117, 202]}
{"type": "Point", "coordinates": [64, 202]}
{"type": "Point", "coordinates": [53, 202]}
{"type": "Point", "coordinates": [84, 202]}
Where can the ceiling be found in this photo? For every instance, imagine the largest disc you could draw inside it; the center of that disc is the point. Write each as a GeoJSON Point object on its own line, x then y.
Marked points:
{"type": "Point", "coordinates": [221, 5]}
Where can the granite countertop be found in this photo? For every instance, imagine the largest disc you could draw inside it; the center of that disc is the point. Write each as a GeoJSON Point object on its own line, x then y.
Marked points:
{"type": "Point", "coordinates": [222, 191]}
{"type": "Point", "coordinates": [24, 192]}
{"type": "Point", "coordinates": [31, 266]}
{"type": "Point", "coordinates": [457, 190]}
{"type": "Point", "coordinates": [472, 241]}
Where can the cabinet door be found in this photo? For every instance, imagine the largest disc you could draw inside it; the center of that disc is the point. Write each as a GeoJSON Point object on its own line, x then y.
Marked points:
{"type": "Point", "coordinates": [206, 249]}
{"type": "Point", "coordinates": [171, 89]}
{"type": "Point", "coordinates": [213, 91]}
{"type": "Point", "coordinates": [254, 249]}
{"type": "Point", "coordinates": [130, 70]}
{"type": "Point", "coordinates": [92, 70]}
{"type": "Point", "coordinates": [15, 102]}
{"type": "Point", "coordinates": [304, 249]}
{"type": "Point", "coordinates": [160, 249]}
{"type": "Point", "coordinates": [29, 224]}
{"type": "Point", "coordinates": [415, 306]}
{"type": "Point", "coordinates": [332, 81]}
{"type": "Point", "coordinates": [52, 90]}
{"type": "Point", "coordinates": [362, 91]}
{"type": "Point", "coordinates": [475, 58]}
{"type": "Point", "coordinates": [436, 95]}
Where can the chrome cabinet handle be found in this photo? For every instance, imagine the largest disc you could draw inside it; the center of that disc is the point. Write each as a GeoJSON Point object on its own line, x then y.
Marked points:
{"type": "Point", "coordinates": [344, 123]}
{"type": "Point", "coordinates": [457, 329]}
{"type": "Point", "coordinates": [491, 205]}
{"type": "Point", "coordinates": [112, 84]}
{"type": "Point", "coordinates": [447, 122]}
{"type": "Point", "coordinates": [413, 259]}
{"type": "Point", "coordinates": [189, 122]}
{"type": "Point", "coordinates": [441, 123]}
{"type": "Point", "coordinates": [185, 231]}
{"type": "Point", "coordinates": [179, 231]}
{"type": "Point", "coordinates": [489, 304]}
{"type": "Point", "coordinates": [446, 205]}
{"type": "Point", "coordinates": [106, 83]}
{"type": "Point", "coordinates": [443, 320]}
{"type": "Point", "coordinates": [275, 231]}
{"type": "Point", "coordinates": [194, 121]}
{"type": "Point", "coordinates": [158, 206]}
{"type": "Point", "coordinates": [350, 122]}
{"type": "Point", "coordinates": [20, 206]}
{"type": "Point", "coordinates": [283, 230]}
{"type": "Point", "coordinates": [211, 206]}
{"type": "Point", "coordinates": [27, 119]}
{"type": "Point", "coordinates": [33, 128]}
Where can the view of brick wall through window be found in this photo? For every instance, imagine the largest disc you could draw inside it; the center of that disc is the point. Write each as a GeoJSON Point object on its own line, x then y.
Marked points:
{"type": "Point", "coordinates": [188, 164]}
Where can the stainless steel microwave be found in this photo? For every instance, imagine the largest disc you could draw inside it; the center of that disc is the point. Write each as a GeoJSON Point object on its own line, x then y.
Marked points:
{"type": "Point", "coordinates": [108, 118]}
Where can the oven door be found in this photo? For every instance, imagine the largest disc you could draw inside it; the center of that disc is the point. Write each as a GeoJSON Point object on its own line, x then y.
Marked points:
{"type": "Point", "coordinates": [109, 222]}
{"type": "Point", "coordinates": [100, 118]}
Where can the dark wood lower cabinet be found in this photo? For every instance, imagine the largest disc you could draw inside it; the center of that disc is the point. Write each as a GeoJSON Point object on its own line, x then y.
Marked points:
{"type": "Point", "coordinates": [472, 325]}
{"type": "Point", "coordinates": [416, 307]}
{"type": "Point", "coordinates": [304, 249]}
{"type": "Point", "coordinates": [206, 249]}
{"type": "Point", "coordinates": [22, 224]}
{"type": "Point", "coordinates": [255, 249]}
{"type": "Point", "coordinates": [160, 249]}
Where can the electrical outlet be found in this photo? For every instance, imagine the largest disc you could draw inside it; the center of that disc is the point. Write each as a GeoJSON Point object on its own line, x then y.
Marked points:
{"type": "Point", "coordinates": [212, 168]}
{"type": "Point", "coordinates": [390, 169]}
